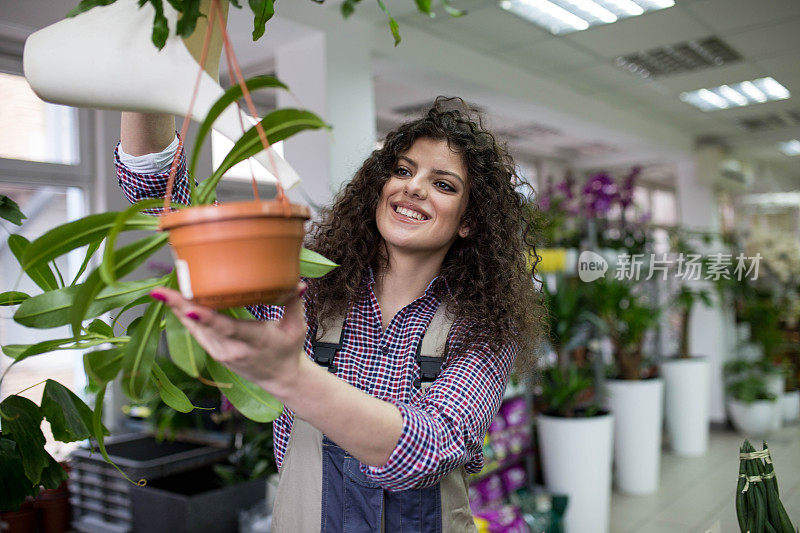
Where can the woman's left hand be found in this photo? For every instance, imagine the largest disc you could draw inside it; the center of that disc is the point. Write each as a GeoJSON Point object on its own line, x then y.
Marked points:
{"type": "Point", "coordinates": [258, 351]}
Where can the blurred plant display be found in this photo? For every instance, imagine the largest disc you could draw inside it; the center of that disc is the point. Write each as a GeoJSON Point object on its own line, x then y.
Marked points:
{"type": "Point", "coordinates": [602, 207]}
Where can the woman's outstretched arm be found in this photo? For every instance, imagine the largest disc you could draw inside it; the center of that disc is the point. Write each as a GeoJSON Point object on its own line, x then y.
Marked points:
{"type": "Point", "coordinates": [271, 355]}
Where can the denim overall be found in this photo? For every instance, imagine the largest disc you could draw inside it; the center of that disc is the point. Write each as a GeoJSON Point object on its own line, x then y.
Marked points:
{"type": "Point", "coordinates": [323, 489]}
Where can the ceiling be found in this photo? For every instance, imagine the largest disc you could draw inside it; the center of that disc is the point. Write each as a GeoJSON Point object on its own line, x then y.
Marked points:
{"type": "Point", "coordinates": [765, 34]}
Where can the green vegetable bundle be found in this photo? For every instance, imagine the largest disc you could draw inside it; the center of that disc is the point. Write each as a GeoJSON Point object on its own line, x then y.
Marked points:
{"type": "Point", "coordinates": [758, 504]}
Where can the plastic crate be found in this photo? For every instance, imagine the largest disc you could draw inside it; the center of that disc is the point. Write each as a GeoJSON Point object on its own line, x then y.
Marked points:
{"type": "Point", "coordinates": [100, 496]}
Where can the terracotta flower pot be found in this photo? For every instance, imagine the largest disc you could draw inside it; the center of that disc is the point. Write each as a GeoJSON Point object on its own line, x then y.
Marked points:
{"type": "Point", "coordinates": [21, 521]}
{"type": "Point", "coordinates": [239, 253]}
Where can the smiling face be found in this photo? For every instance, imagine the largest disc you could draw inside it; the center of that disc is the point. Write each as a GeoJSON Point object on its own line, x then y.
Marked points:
{"type": "Point", "coordinates": [422, 204]}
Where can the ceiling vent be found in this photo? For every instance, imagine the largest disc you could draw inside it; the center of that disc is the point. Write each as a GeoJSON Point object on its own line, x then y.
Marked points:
{"type": "Point", "coordinates": [679, 58]}
{"type": "Point", "coordinates": [770, 122]}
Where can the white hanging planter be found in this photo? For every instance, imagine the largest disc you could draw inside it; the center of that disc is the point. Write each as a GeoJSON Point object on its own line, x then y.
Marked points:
{"type": "Point", "coordinates": [576, 461]}
{"type": "Point", "coordinates": [104, 58]}
{"type": "Point", "coordinates": [687, 397]}
{"type": "Point", "coordinates": [638, 407]}
{"type": "Point", "coordinates": [754, 419]}
{"type": "Point", "coordinates": [790, 405]}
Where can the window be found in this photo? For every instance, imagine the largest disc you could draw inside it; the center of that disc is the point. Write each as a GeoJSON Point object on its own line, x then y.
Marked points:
{"type": "Point", "coordinates": [34, 130]}
{"type": "Point", "coordinates": [45, 207]}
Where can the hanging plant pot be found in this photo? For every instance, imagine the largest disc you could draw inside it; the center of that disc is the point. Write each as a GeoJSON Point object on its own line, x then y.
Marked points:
{"type": "Point", "coordinates": [239, 253]}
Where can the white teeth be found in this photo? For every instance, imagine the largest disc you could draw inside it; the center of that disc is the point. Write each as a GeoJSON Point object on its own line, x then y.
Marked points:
{"type": "Point", "coordinates": [409, 213]}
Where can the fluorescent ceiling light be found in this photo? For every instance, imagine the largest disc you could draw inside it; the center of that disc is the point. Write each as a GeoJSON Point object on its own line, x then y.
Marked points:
{"type": "Point", "coordinates": [753, 92]}
{"type": "Point", "coordinates": [566, 16]}
{"type": "Point", "coordinates": [737, 94]}
{"type": "Point", "coordinates": [790, 147]}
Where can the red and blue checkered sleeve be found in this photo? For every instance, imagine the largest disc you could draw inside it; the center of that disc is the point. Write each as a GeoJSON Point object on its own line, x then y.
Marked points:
{"type": "Point", "coordinates": [445, 427]}
{"type": "Point", "coordinates": [137, 186]}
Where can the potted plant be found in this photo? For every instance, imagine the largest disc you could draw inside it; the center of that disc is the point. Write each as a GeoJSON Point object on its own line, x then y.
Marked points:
{"type": "Point", "coordinates": [634, 395]}
{"type": "Point", "coordinates": [575, 445]}
{"type": "Point", "coordinates": [129, 352]}
{"type": "Point", "coordinates": [574, 434]}
{"type": "Point", "coordinates": [687, 383]}
{"type": "Point", "coordinates": [752, 406]}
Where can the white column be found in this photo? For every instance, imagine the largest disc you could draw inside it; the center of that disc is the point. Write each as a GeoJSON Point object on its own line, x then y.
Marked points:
{"type": "Point", "coordinates": [329, 73]}
{"type": "Point", "coordinates": [709, 326]}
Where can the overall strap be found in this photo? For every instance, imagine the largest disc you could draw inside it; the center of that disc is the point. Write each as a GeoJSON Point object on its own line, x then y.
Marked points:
{"type": "Point", "coordinates": [429, 351]}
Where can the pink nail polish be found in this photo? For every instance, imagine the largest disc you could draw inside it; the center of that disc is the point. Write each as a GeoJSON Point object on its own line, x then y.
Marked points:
{"type": "Point", "coordinates": [303, 291]}
{"type": "Point", "coordinates": [193, 315]}
{"type": "Point", "coordinates": [158, 296]}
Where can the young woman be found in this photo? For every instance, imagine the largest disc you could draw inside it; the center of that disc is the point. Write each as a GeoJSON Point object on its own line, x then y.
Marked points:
{"type": "Point", "coordinates": [376, 433]}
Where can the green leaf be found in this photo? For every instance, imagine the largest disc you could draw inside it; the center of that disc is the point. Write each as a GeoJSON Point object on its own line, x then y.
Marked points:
{"type": "Point", "coordinates": [70, 418]}
{"type": "Point", "coordinates": [9, 210]}
{"type": "Point", "coordinates": [53, 309]}
{"type": "Point", "coordinates": [278, 125]}
{"type": "Point", "coordinates": [314, 265]}
{"type": "Point", "coordinates": [262, 11]}
{"type": "Point", "coordinates": [141, 351]}
{"type": "Point", "coordinates": [99, 435]}
{"type": "Point", "coordinates": [100, 328]}
{"type": "Point", "coordinates": [41, 274]}
{"type": "Point", "coordinates": [239, 313]}
{"type": "Point", "coordinates": [392, 23]}
{"type": "Point", "coordinates": [18, 352]}
{"type": "Point", "coordinates": [86, 5]}
{"type": "Point", "coordinates": [251, 400]}
{"type": "Point", "coordinates": [184, 350]}
{"type": "Point", "coordinates": [12, 298]}
{"type": "Point", "coordinates": [348, 7]}
{"type": "Point", "coordinates": [188, 21]}
{"type": "Point", "coordinates": [160, 26]}
{"type": "Point", "coordinates": [53, 474]}
{"type": "Point", "coordinates": [108, 265]}
{"type": "Point", "coordinates": [102, 366]}
{"type": "Point", "coordinates": [170, 394]}
{"type": "Point", "coordinates": [90, 250]}
{"type": "Point", "coordinates": [233, 94]}
{"type": "Point", "coordinates": [14, 484]}
{"type": "Point", "coordinates": [22, 420]}
{"type": "Point", "coordinates": [452, 11]}
{"type": "Point", "coordinates": [72, 235]}
{"type": "Point", "coordinates": [425, 6]}
{"type": "Point", "coordinates": [126, 260]}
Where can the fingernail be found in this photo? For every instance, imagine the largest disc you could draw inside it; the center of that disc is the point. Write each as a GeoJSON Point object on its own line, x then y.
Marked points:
{"type": "Point", "coordinates": [158, 296]}
{"type": "Point", "coordinates": [303, 291]}
{"type": "Point", "coordinates": [193, 315]}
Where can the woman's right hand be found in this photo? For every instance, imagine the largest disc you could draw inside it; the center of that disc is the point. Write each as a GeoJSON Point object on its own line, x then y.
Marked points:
{"type": "Point", "coordinates": [260, 351]}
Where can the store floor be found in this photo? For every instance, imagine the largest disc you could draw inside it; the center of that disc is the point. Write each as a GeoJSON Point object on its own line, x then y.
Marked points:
{"type": "Point", "coordinates": [697, 492]}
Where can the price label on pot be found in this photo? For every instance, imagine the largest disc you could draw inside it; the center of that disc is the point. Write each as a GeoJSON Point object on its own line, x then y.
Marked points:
{"type": "Point", "coordinates": [184, 280]}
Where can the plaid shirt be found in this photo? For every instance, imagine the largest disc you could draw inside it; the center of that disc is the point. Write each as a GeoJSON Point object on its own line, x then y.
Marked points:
{"type": "Point", "coordinates": [444, 427]}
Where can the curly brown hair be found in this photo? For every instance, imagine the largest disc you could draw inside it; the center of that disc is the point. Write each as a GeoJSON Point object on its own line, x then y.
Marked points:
{"type": "Point", "coordinates": [487, 272]}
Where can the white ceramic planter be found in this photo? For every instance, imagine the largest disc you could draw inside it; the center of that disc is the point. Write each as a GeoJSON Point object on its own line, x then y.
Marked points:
{"type": "Point", "coordinates": [687, 397]}
{"type": "Point", "coordinates": [755, 419]}
{"type": "Point", "coordinates": [576, 461]}
{"type": "Point", "coordinates": [638, 407]}
{"type": "Point", "coordinates": [775, 384]}
{"type": "Point", "coordinates": [790, 405]}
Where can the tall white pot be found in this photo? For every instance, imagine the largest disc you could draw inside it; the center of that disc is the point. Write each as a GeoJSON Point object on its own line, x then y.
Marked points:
{"type": "Point", "coordinates": [576, 461]}
{"type": "Point", "coordinates": [687, 397]}
{"type": "Point", "coordinates": [775, 384]}
{"type": "Point", "coordinates": [790, 405]}
{"type": "Point", "coordinates": [638, 407]}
